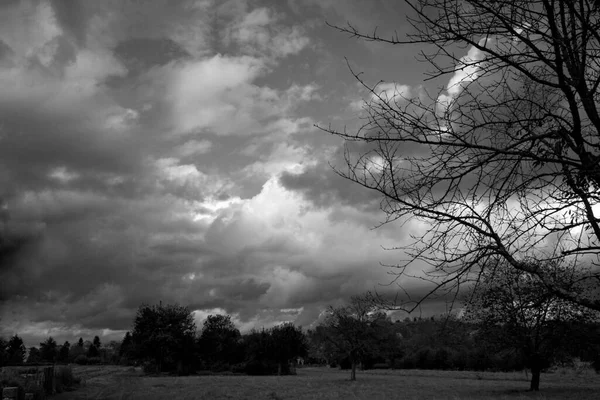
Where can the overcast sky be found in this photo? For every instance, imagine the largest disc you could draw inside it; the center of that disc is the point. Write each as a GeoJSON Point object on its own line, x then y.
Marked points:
{"type": "Point", "coordinates": [166, 150]}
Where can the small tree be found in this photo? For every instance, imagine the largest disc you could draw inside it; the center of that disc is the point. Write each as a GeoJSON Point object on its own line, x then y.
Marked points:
{"type": "Point", "coordinates": [288, 342]}
{"type": "Point", "coordinates": [15, 350]}
{"type": "Point", "coordinates": [49, 350]}
{"type": "Point", "coordinates": [34, 356]}
{"type": "Point", "coordinates": [516, 310]}
{"type": "Point", "coordinates": [164, 334]}
{"type": "Point", "coordinates": [80, 342]}
{"type": "Point", "coordinates": [351, 329]}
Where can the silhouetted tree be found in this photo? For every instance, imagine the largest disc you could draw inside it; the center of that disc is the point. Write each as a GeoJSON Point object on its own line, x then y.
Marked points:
{"type": "Point", "coordinates": [63, 352]}
{"type": "Point", "coordinates": [15, 350]}
{"type": "Point", "coordinates": [49, 350]}
{"type": "Point", "coordinates": [288, 342]}
{"type": "Point", "coordinates": [34, 356]}
{"type": "Point", "coordinates": [219, 341]}
{"type": "Point", "coordinates": [80, 342]}
{"type": "Point", "coordinates": [502, 162]}
{"type": "Point", "coordinates": [516, 311]}
{"type": "Point", "coordinates": [164, 334]}
{"type": "Point", "coordinates": [352, 329]}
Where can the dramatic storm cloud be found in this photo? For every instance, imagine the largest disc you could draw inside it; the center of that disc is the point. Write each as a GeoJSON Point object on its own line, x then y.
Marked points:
{"type": "Point", "coordinates": [166, 151]}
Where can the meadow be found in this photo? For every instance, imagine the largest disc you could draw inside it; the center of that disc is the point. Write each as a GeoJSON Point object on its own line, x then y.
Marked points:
{"type": "Point", "coordinates": [112, 382]}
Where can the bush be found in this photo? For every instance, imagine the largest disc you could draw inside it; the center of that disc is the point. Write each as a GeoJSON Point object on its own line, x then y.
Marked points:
{"type": "Point", "coordinates": [81, 359]}
{"type": "Point", "coordinates": [94, 360]}
{"type": "Point", "coordinates": [256, 367]}
{"type": "Point", "coordinates": [150, 368]}
{"type": "Point", "coordinates": [380, 366]}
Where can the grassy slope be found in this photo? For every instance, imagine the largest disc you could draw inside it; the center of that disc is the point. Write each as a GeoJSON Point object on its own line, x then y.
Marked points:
{"type": "Point", "coordinates": [323, 383]}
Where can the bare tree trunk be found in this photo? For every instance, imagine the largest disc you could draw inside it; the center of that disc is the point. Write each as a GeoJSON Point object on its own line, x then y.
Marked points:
{"type": "Point", "coordinates": [353, 371]}
{"type": "Point", "coordinates": [279, 368]}
{"type": "Point", "coordinates": [535, 379]}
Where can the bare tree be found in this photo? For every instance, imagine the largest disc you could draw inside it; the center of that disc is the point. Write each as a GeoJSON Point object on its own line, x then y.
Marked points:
{"type": "Point", "coordinates": [505, 160]}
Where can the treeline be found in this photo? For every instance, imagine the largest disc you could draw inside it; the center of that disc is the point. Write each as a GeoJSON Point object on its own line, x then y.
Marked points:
{"type": "Point", "coordinates": [165, 338]}
{"type": "Point", "coordinates": [14, 352]}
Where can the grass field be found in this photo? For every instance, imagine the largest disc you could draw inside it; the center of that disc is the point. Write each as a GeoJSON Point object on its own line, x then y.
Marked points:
{"type": "Point", "coordinates": [111, 382]}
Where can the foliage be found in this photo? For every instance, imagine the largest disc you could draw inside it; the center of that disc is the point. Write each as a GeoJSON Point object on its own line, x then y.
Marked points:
{"type": "Point", "coordinates": [34, 356]}
{"type": "Point", "coordinates": [63, 352]}
{"type": "Point", "coordinates": [514, 310]}
{"type": "Point", "coordinates": [355, 330]}
{"type": "Point", "coordinates": [164, 334]}
{"type": "Point", "coordinates": [15, 350]}
{"type": "Point", "coordinates": [219, 342]}
{"type": "Point", "coordinates": [49, 350]}
{"type": "Point", "coordinates": [505, 161]}
{"type": "Point", "coordinates": [288, 342]}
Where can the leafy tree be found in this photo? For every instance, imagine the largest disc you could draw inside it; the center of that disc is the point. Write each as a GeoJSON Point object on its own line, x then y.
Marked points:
{"type": "Point", "coordinates": [63, 352]}
{"type": "Point", "coordinates": [49, 350]}
{"type": "Point", "coordinates": [126, 345]}
{"type": "Point", "coordinates": [34, 356]}
{"type": "Point", "coordinates": [96, 342]}
{"type": "Point", "coordinates": [289, 342]}
{"type": "Point", "coordinates": [352, 329]}
{"type": "Point", "coordinates": [80, 342]}
{"type": "Point", "coordinates": [164, 334]}
{"type": "Point", "coordinates": [15, 350]}
{"type": "Point", "coordinates": [258, 345]}
{"type": "Point", "coordinates": [218, 342]}
{"type": "Point", "coordinates": [93, 351]}
{"type": "Point", "coordinates": [505, 160]}
{"type": "Point", "coordinates": [515, 311]}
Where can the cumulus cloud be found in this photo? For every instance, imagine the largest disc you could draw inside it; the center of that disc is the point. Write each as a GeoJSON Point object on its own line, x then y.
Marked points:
{"type": "Point", "coordinates": [169, 153]}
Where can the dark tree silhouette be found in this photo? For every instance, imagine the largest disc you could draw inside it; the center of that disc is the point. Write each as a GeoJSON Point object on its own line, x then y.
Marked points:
{"type": "Point", "coordinates": [15, 350]}
{"type": "Point", "coordinates": [219, 342]}
{"type": "Point", "coordinates": [164, 334]}
{"type": "Point", "coordinates": [505, 160]}
{"type": "Point", "coordinates": [63, 352]}
{"type": "Point", "coordinates": [514, 310]}
{"type": "Point", "coordinates": [49, 350]}
{"type": "Point", "coordinates": [288, 342]}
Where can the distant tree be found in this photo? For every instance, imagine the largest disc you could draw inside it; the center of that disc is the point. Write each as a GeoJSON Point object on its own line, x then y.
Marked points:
{"type": "Point", "coordinates": [516, 310]}
{"type": "Point", "coordinates": [15, 350]}
{"type": "Point", "coordinates": [80, 342]}
{"type": "Point", "coordinates": [352, 329]}
{"type": "Point", "coordinates": [96, 342]}
{"type": "Point", "coordinates": [164, 334]}
{"type": "Point", "coordinates": [93, 351]}
{"type": "Point", "coordinates": [34, 356]}
{"type": "Point", "coordinates": [63, 353]}
{"type": "Point", "coordinates": [258, 347]}
{"type": "Point", "coordinates": [76, 351]}
{"type": "Point", "coordinates": [219, 341]}
{"type": "Point", "coordinates": [126, 345]}
{"type": "Point", "coordinates": [3, 354]}
{"type": "Point", "coordinates": [288, 342]}
{"type": "Point", "coordinates": [49, 350]}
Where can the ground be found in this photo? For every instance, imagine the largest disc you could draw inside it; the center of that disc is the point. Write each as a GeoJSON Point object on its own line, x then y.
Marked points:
{"type": "Point", "coordinates": [112, 382]}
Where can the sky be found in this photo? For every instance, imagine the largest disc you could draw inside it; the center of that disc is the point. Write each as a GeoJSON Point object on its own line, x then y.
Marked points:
{"type": "Point", "coordinates": [167, 151]}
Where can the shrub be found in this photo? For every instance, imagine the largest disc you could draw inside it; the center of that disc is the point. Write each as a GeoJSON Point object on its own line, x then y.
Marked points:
{"type": "Point", "coordinates": [150, 368]}
{"type": "Point", "coordinates": [256, 367]}
{"type": "Point", "coordinates": [81, 359]}
{"type": "Point", "coordinates": [380, 366]}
